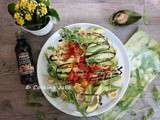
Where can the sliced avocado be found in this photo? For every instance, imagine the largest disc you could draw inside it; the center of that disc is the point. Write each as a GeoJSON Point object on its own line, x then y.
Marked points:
{"type": "Point", "coordinates": [95, 99]}
{"type": "Point", "coordinates": [94, 104]}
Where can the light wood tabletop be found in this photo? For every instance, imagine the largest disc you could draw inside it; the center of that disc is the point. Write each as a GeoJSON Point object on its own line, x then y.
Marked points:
{"type": "Point", "coordinates": [12, 93]}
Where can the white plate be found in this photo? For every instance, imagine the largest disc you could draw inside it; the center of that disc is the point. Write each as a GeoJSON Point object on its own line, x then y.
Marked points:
{"type": "Point", "coordinates": [69, 108]}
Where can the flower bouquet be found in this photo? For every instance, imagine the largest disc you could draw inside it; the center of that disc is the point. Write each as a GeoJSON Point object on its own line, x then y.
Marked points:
{"type": "Point", "coordinates": [34, 16]}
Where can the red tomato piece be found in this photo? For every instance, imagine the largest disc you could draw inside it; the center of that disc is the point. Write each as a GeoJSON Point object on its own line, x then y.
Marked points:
{"type": "Point", "coordinates": [82, 59]}
{"type": "Point", "coordinates": [83, 67]}
{"type": "Point", "coordinates": [83, 76]}
{"type": "Point", "coordinates": [93, 75]}
{"type": "Point", "coordinates": [73, 76]}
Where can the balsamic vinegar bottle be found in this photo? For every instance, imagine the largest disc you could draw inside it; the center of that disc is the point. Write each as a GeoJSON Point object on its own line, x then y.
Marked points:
{"type": "Point", "coordinates": [26, 67]}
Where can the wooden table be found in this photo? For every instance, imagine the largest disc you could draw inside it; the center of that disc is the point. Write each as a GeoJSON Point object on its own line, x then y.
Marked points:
{"type": "Point", "coordinates": [71, 11]}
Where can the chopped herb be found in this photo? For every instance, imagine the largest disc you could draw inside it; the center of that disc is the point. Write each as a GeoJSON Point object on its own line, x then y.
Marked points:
{"type": "Point", "coordinates": [91, 60]}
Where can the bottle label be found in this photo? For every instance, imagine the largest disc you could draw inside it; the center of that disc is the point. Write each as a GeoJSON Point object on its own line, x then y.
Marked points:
{"type": "Point", "coordinates": [24, 64]}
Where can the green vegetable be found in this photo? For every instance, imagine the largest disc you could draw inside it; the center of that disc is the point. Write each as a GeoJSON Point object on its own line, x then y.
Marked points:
{"type": "Point", "coordinates": [91, 60]}
{"type": "Point", "coordinates": [111, 80]}
{"type": "Point", "coordinates": [53, 94]}
{"type": "Point", "coordinates": [90, 91]}
{"type": "Point", "coordinates": [71, 35]}
{"type": "Point", "coordinates": [52, 69]}
{"type": "Point", "coordinates": [101, 57]}
{"type": "Point", "coordinates": [96, 49]}
{"type": "Point", "coordinates": [62, 76]}
{"type": "Point", "coordinates": [72, 97]}
{"type": "Point", "coordinates": [112, 63]}
{"type": "Point", "coordinates": [124, 17]}
{"type": "Point", "coordinates": [64, 70]}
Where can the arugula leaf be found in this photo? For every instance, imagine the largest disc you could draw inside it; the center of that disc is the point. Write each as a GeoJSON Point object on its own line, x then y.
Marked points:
{"type": "Point", "coordinates": [74, 100]}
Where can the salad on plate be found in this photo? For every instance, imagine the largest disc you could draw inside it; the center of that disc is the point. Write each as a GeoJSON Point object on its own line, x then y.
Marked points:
{"type": "Point", "coordinates": [83, 68]}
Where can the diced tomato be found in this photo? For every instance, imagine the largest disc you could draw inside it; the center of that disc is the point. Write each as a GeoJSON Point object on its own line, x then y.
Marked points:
{"type": "Point", "coordinates": [93, 75]}
{"type": "Point", "coordinates": [83, 76]}
{"type": "Point", "coordinates": [97, 68]}
{"type": "Point", "coordinates": [82, 59]}
{"type": "Point", "coordinates": [94, 68]}
{"type": "Point", "coordinates": [83, 67]}
{"type": "Point", "coordinates": [76, 45]}
{"type": "Point", "coordinates": [74, 49]}
{"type": "Point", "coordinates": [93, 82]}
{"type": "Point", "coordinates": [73, 76]}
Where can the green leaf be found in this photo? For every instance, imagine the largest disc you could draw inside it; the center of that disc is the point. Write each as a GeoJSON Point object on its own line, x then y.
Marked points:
{"type": "Point", "coordinates": [46, 2]}
{"type": "Point", "coordinates": [11, 8]}
{"type": "Point", "coordinates": [52, 12]}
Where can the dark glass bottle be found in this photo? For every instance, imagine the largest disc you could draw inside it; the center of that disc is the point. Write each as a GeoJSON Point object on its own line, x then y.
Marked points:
{"type": "Point", "coordinates": [24, 60]}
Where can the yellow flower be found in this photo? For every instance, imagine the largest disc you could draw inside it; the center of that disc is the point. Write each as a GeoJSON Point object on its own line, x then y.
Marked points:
{"type": "Point", "coordinates": [17, 6]}
{"type": "Point", "coordinates": [17, 15]}
{"type": "Point", "coordinates": [28, 17]}
{"type": "Point", "coordinates": [32, 6]}
{"type": "Point", "coordinates": [20, 21]}
{"type": "Point", "coordinates": [23, 3]}
{"type": "Point", "coordinates": [43, 10]}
